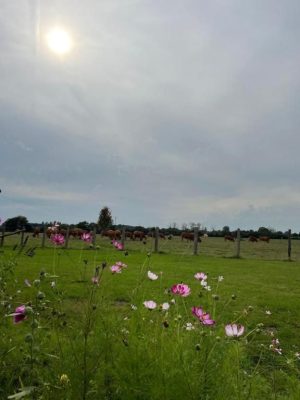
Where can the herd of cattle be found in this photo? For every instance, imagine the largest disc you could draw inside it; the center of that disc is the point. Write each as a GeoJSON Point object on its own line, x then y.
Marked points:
{"type": "Point", "coordinates": [112, 234]}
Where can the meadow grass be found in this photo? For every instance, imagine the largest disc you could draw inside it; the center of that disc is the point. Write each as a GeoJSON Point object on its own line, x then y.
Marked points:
{"type": "Point", "coordinates": [84, 341]}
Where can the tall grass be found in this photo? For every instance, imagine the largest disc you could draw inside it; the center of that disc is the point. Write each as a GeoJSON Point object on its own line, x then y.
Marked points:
{"type": "Point", "coordinates": [85, 338]}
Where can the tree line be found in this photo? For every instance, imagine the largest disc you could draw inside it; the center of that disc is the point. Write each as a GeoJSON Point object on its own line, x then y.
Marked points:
{"type": "Point", "coordinates": [105, 221]}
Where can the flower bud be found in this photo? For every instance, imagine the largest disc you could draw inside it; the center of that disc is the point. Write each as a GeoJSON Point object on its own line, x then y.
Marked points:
{"type": "Point", "coordinates": [64, 379]}
{"type": "Point", "coordinates": [215, 297]}
{"type": "Point", "coordinates": [41, 295]}
{"type": "Point", "coordinates": [197, 347]}
{"type": "Point", "coordinates": [233, 296]}
{"type": "Point", "coordinates": [28, 338]}
{"type": "Point", "coordinates": [36, 282]}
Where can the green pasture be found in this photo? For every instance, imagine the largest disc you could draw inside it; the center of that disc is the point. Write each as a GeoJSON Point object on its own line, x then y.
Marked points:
{"type": "Point", "coordinates": [276, 249]}
{"type": "Point", "coordinates": [138, 357]}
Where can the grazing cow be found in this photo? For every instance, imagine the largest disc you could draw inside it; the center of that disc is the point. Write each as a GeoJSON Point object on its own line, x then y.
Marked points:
{"type": "Point", "coordinates": [139, 235]}
{"type": "Point", "coordinates": [229, 237]}
{"type": "Point", "coordinates": [128, 234]}
{"type": "Point", "coordinates": [189, 236]}
{"type": "Point", "coordinates": [253, 239]}
{"type": "Point", "coordinates": [112, 235]}
{"type": "Point", "coordinates": [77, 233]}
{"type": "Point", "coordinates": [264, 239]}
{"type": "Point", "coordinates": [36, 232]}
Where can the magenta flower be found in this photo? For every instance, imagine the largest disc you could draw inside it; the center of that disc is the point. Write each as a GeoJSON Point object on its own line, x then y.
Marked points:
{"type": "Point", "coordinates": [86, 237]}
{"type": "Point", "coordinates": [203, 317]}
{"type": "Point", "coordinates": [116, 269]}
{"type": "Point", "coordinates": [234, 330]}
{"type": "Point", "coordinates": [19, 314]}
{"type": "Point", "coordinates": [200, 276]}
{"type": "Point", "coordinates": [58, 239]}
{"type": "Point", "coordinates": [151, 305]}
{"type": "Point", "coordinates": [181, 289]}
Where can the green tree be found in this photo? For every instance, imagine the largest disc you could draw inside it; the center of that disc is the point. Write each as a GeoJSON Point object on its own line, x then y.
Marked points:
{"type": "Point", "coordinates": [226, 230]}
{"type": "Point", "coordinates": [105, 219]}
{"type": "Point", "coordinates": [15, 223]}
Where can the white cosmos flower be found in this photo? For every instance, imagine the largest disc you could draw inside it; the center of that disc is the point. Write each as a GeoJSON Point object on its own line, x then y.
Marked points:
{"type": "Point", "coordinates": [165, 306]}
{"type": "Point", "coordinates": [152, 276]}
{"type": "Point", "coordinates": [189, 326]}
{"type": "Point", "coordinates": [220, 278]}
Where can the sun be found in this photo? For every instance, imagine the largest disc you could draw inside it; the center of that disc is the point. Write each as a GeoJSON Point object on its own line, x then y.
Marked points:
{"type": "Point", "coordinates": [59, 41]}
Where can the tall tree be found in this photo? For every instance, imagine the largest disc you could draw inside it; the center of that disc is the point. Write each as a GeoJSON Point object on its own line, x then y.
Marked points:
{"type": "Point", "coordinates": [19, 222]}
{"type": "Point", "coordinates": [105, 219]}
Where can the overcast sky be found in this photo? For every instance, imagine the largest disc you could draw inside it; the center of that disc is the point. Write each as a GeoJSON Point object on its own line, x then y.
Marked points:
{"type": "Point", "coordinates": [165, 111]}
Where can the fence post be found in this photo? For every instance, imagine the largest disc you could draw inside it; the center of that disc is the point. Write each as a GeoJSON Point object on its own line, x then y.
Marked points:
{"type": "Point", "coordinates": [196, 238]}
{"type": "Point", "coordinates": [289, 245]}
{"type": "Point", "coordinates": [238, 243]}
{"type": "Point", "coordinates": [94, 236]}
{"type": "Point", "coordinates": [156, 236]}
{"type": "Point", "coordinates": [3, 232]}
{"type": "Point", "coordinates": [44, 235]}
{"type": "Point", "coordinates": [123, 236]}
{"type": "Point", "coordinates": [67, 237]}
{"type": "Point", "coordinates": [22, 238]}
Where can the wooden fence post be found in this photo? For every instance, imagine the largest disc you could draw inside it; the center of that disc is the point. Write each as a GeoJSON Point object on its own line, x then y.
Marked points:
{"type": "Point", "coordinates": [156, 236]}
{"type": "Point", "coordinates": [44, 235]}
{"type": "Point", "coordinates": [67, 237]}
{"type": "Point", "coordinates": [123, 236]}
{"type": "Point", "coordinates": [94, 236]}
{"type": "Point", "coordinates": [3, 233]}
{"type": "Point", "coordinates": [22, 237]}
{"type": "Point", "coordinates": [196, 238]}
{"type": "Point", "coordinates": [289, 245]}
{"type": "Point", "coordinates": [238, 243]}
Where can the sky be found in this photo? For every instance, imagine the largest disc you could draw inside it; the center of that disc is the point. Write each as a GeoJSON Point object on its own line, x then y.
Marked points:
{"type": "Point", "coordinates": [165, 111]}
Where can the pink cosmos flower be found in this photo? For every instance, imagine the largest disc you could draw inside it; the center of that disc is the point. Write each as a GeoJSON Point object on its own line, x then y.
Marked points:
{"type": "Point", "coordinates": [152, 276]}
{"type": "Point", "coordinates": [151, 305]}
{"type": "Point", "coordinates": [234, 330]}
{"type": "Point", "coordinates": [86, 237]}
{"type": "Point", "coordinates": [120, 264]}
{"type": "Point", "coordinates": [118, 245]}
{"type": "Point", "coordinates": [58, 239]}
{"type": "Point", "coordinates": [181, 289]}
{"type": "Point", "coordinates": [19, 314]}
{"type": "Point", "coordinates": [203, 317]}
{"type": "Point", "coordinates": [200, 276]}
{"type": "Point", "coordinates": [116, 269]}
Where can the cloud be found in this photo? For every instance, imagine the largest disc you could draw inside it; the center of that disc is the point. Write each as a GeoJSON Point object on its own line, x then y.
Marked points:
{"type": "Point", "coordinates": [166, 111]}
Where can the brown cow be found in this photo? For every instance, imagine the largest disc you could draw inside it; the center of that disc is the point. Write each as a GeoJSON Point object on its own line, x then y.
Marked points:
{"type": "Point", "coordinates": [77, 233]}
{"type": "Point", "coordinates": [128, 234]}
{"type": "Point", "coordinates": [139, 235]}
{"type": "Point", "coordinates": [253, 239]}
{"type": "Point", "coordinates": [112, 235]}
{"type": "Point", "coordinates": [189, 236]}
{"type": "Point", "coordinates": [36, 232]}
{"type": "Point", "coordinates": [229, 237]}
{"type": "Point", "coordinates": [264, 239]}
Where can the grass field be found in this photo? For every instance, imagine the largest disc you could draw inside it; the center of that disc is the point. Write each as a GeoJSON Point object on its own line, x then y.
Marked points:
{"type": "Point", "coordinates": [277, 249]}
{"type": "Point", "coordinates": [84, 341]}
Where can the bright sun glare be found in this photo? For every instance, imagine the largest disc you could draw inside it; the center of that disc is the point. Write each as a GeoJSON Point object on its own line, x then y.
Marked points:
{"type": "Point", "coordinates": [59, 41]}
